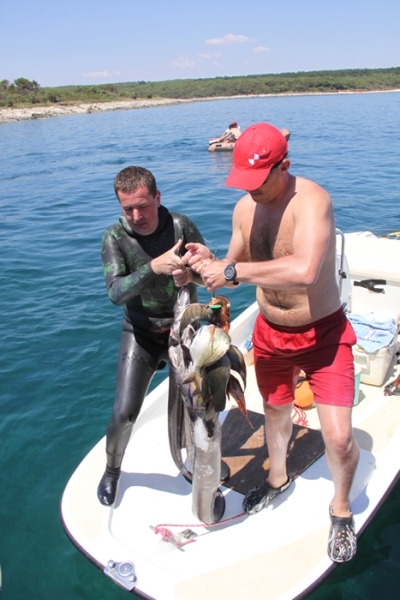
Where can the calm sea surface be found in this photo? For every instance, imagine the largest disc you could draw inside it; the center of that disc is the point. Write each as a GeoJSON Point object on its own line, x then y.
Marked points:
{"type": "Point", "coordinates": [60, 333]}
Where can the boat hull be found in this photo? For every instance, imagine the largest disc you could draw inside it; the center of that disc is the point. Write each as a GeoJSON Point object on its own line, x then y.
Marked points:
{"type": "Point", "coordinates": [221, 147]}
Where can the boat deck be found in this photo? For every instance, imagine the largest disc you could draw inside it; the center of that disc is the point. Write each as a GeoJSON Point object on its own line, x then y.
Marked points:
{"type": "Point", "coordinates": [243, 556]}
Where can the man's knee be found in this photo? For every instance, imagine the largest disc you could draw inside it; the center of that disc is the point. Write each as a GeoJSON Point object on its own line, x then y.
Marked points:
{"type": "Point", "coordinates": [343, 445]}
{"type": "Point", "coordinates": [277, 411]}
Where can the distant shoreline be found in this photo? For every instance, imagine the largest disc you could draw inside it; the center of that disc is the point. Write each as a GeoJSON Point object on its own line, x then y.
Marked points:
{"type": "Point", "coordinates": [9, 115]}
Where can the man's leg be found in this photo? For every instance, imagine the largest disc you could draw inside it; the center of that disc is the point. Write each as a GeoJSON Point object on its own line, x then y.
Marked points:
{"type": "Point", "coordinates": [278, 430]}
{"type": "Point", "coordinates": [342, 453]}
{"type": "Point", "coordinates": [135, 370]}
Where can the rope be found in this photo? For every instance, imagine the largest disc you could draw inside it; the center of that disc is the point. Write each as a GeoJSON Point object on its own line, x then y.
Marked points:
{"type": "Point", "coordinates": [168, 536]}
{"type": "Point", "coordinates": [299, 417]}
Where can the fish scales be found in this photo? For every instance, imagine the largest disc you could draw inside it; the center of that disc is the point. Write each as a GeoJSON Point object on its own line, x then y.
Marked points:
{"type": "Point", "coordinates": [208, 345]}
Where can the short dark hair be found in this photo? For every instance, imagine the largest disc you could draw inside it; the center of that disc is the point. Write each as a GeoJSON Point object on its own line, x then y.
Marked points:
{"type": "Point", "coordinates": [131, 178]}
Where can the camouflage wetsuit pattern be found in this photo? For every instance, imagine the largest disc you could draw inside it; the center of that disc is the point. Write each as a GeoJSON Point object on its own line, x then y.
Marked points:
{"type": "Point", "coordinates": [148, 301]}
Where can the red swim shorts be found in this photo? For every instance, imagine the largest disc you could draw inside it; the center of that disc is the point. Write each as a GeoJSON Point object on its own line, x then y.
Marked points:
{"type": "Point", "coordinates": [321, 349]}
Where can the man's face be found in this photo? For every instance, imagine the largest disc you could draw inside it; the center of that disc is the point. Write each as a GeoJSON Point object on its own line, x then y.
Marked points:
{"type": "Point", "coordinates": [273, 185]}
{"type": "Point", "coordinates": [140, 209]}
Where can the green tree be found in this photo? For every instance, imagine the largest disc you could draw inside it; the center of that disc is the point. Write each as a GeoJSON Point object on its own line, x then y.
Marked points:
{"type": "Point", "coordinates": [24, 85]}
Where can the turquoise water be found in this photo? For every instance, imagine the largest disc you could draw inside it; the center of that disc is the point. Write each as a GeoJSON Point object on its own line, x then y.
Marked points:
{"type": "Point", "coordinates": [60, 333]}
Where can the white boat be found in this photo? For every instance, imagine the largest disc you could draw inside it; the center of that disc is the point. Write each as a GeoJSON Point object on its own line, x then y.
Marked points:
{"type": "Point", "coordinates": [150, 543]}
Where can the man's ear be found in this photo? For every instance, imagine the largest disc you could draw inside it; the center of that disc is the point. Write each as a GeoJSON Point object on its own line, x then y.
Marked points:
{"type": "Point", "coordinates": [285, 164]}
{"type": "Point", "coordinates": [158, 197]}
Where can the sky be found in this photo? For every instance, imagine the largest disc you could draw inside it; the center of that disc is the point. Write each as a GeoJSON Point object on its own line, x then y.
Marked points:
{"type": "Point", "coordinates": [86, 42]}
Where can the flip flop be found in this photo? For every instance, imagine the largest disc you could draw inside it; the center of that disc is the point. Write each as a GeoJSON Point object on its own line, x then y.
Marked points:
{"type": "Point", "coordinates": [342, 541]}
{"type": "Point", "coordinates": [261, 495]}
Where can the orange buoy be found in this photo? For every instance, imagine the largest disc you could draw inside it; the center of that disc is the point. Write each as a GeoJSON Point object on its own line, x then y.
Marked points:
{"type": "Point", "coordinates": [303, 394]}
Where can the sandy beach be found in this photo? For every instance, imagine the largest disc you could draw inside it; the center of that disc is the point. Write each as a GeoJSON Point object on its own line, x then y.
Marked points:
{"type": "Point", "coordinates": [8, 115]}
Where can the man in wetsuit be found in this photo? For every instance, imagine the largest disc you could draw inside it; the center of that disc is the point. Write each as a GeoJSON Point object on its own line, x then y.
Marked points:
{"type": "Point", "coordinates": [283, 241]}
{"type": "Point", "coordinates": [143, 271]}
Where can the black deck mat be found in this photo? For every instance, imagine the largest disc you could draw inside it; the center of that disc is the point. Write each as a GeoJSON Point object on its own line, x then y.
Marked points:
{"type": "Point", "coordinates": [245, 451]}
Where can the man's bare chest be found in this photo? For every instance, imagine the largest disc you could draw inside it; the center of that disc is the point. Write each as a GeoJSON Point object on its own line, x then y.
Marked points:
{"type": "Point", "coordinates": [270, 236]}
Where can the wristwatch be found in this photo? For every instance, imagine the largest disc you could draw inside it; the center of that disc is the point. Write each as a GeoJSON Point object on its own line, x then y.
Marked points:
{"type": "Point", "coordinates": [230, 273]}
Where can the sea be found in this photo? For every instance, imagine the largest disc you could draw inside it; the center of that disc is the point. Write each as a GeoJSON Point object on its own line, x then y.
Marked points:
{"type": "Point", "coordinates": [60, 333]}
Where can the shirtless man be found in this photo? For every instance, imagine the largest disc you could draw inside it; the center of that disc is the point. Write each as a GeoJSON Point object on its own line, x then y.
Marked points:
{"type": "Point", "coordinates": [232, 133]}
{"type": "Point", "coordinates": [283, 241]}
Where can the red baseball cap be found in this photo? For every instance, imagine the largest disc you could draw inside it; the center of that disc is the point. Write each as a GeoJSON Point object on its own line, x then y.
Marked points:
{"type": "Point", "coordinates": [256, 151]}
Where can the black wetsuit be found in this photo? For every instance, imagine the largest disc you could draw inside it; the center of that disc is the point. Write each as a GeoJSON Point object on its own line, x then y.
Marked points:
{"type": "Point", "coordinates": [148, 313]}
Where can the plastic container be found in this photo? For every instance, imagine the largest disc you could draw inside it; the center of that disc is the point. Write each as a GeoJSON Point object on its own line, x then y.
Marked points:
{"type": "Point", "coordinates": [374, 366]}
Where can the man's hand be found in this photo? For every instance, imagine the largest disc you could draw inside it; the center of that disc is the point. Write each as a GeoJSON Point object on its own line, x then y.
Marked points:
{"type": "Point", "coordinates": [168, 262]}
{"type": "Point", "coordinates": [196, 255]}
{"type": "Point", "coordinates": [182, 276]}
{"type": "Point", "coordinates": [212, 272]}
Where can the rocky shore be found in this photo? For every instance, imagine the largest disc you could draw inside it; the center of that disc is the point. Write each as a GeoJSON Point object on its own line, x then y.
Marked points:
{"type": "Point", "coordinates": [8, 115]}
{"type": "Point", "coordinates": [58, 110]}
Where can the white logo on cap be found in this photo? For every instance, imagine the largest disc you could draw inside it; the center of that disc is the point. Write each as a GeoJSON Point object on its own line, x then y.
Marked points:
{"type": "Point", "coordinates": [253, 159]}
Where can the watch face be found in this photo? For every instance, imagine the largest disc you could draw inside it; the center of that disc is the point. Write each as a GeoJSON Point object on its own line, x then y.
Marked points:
{"type": "Point", "coordinates": [229, 272]}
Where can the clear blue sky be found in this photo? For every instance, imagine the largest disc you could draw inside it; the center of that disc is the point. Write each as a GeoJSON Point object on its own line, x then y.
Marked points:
{"type": "Point", "coordinates": [63, 42]}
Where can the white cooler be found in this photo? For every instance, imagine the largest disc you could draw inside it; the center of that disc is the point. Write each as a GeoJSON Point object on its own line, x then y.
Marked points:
{"type": "Point", "coordinates": [374, 366]}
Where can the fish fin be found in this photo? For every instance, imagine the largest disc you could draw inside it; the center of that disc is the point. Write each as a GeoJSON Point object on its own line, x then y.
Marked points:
{"type": "Point", "coordinates": [238, 363]}
{"type": "Point", "coordinates": [235, 391]}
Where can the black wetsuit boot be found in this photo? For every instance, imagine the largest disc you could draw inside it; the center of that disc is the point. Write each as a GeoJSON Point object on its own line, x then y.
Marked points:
{"type": "Point", "coordinates": [107, 488]}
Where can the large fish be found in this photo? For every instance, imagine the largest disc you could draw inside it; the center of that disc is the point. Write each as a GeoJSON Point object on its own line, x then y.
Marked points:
{"type": "Point", "coordinates": [209, 344]}
{"type": "Point", "coordinates": [202, 357]}
{"type": "Point", "coordinates": [177, 391]}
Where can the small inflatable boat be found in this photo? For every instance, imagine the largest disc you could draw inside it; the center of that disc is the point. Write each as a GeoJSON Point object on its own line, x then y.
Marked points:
{"type": "Point", "coordinates": [214, 145]}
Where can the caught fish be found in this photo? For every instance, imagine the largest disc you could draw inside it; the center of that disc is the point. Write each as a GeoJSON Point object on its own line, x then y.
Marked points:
{"type": "Point", "coordinates": [236, 392]}
{"type": "Point", "coordinates": [181, 304]}
{"type": "Point", "coordinates": [217, 376]}
{"type": "Point", "coordinates": [202, 358]}
{"type": "Point", "coordinates": [216, 312]}
{"type": "Point", "coordinates": [221, 305]}
{"type": "Point", "coordinates": [194, 314]}
{"type": "Point", "coordinates": [209, 344]}
{"type": "Point", "coordinates": [237, 362]}
{"type": "Point", "coordinates": [208, 502]}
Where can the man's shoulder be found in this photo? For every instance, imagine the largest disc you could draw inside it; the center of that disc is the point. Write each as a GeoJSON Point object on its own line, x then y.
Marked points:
{"type": "Point", "coordinates": [309, 188]}
{"type": "Point", "coordinates": [181, 218]}
{"type": "Point", "coordinates": [114, 230]}
{"type": "Point", "coordinates": [245, 202]}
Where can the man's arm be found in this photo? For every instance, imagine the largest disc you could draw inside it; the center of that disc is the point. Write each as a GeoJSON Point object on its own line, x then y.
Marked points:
{"type": "Point", "coordinates": [198, 256]}
{"type": "Point", "coordinates": [313, 228]}
{"type": "Point", "coordinates": [122, 286]}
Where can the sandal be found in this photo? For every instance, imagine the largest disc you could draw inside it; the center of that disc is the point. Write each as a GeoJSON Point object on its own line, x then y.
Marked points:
{"type": "Point", "coordinates": [260, 496]}
{"type": "Point", "coordinates": [342, 541]}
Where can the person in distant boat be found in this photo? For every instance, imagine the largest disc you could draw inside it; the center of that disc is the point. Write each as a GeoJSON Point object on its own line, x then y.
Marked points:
{"type": "Point", "coordinates": [284, 242]}
{"type": "Point", "coordinates": [231, 134]}
{"type": "Point", "coordinates": [143, 269]}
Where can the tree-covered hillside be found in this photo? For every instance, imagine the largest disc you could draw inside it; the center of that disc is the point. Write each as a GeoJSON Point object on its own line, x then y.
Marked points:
{"type": "Point", "coordinates": [23, 92]}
